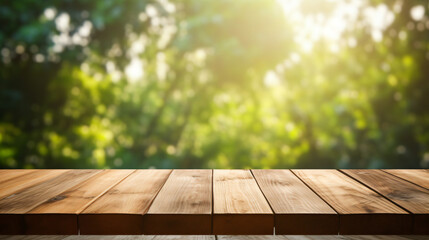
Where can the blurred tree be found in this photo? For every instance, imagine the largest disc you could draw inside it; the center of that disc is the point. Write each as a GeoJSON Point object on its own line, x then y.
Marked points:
{"type": "Point", "coordinates": [213, 84]}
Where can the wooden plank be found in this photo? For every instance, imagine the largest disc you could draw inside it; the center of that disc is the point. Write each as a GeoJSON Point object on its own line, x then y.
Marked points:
{"type": "Point", "coordinates": [183, 237]}
{"type": "Point", "coordinates": [18, 183]}
{"type": "Point", "coordinates": [13, 208]}
{"type": "Point", "coordinates": [146, 237]}
{"type": "Point", "coordinates": [120, 210]}
{"type": "Point", "coordinates": [239, 205]}
{"type": "Point", "coordinates": [413, 198]}
{"type": "Point", "coordinates": [58, 215]}
{"type": "Point", "coordinates": [251, 237]}
{"type": "Point", "coordinates": [378, 237]}
{"type": "Point", "coordinates": [417, 176]}
{"type": "Point", "coordinates": [315, 237]}
{"type": "Point", "coordinates": [298, 210]}
{"type": "Point", "coordinates": [183, 206]}
{"type": "Point", "coordinates": [362, 211]}
{"type": "Point", "coordinates": [349, 237]}
{"type": "Point", "coordinates": [32, 237]}
{"type": "Point", "coordinates": [108, 237]}
{"type": "Point", "coordinates": [6, 174]}
{"type": "Point", "coordinates": [416, 237]}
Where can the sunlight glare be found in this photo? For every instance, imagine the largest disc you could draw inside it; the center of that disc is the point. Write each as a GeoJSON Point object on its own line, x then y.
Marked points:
{"type": "Point", "coordinates": [62, 22]}
{"type": "Point", "coordinates": [50, 13]}
{"type": "Point", "coordinates": [271, 79]}
{"type": "Point", "coordinates": [310, 28]}
{"type": "Point", "coordinates": [134, 70]}
{"type": "Point", "coordinates": [378, 18]}
{"type": "Point", "coordinates": [331, 26]}
{"type": "Point", "coordinates": [417, 12]}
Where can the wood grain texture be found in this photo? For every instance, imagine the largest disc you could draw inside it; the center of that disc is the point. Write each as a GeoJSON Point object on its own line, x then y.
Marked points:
{"type": "Point", "coordinates": [416, 237]}
{"type": "Point", "coordinates": [6, 174]}
{"type": "Point", "coordinates": [146, 237]}
{"type": "Point", "coordinates": [183, 206]}
{"type": "Point", "coordinates": [183, 237]}
{"type": "Point", "coordinates": [362, 211]}
{"type": "Point", "coordinates": [212, 237]}
{"type": "Point", "coordinates": [417, 176]}
{"type": "Point", "coordinates": [298, 210]}
{"type": "Point", "coordinates": [20, 182]}
{"type": "Point", "coordinates": [239, 207]}
{"type": "Point", "coordinates": [32, 237]}
{"type": "Point", "coordinates": [349, 237]}
{"type": "Point", "coordinates": [413, 198]}
{"type": "Point", "coordinates": [315, 237]}
{"type": "Point", "coordinates": [13, 208]}
{"type": "Point", "coordinates": [121, 209]}
{"type": "Point", "coordinates": [251, 237]}
{"type": "Point", "coordinates": [109, 237]}
{"type": "Point", "coordinates": [131, 202]}
{"type": "Point", "coordinates": [378, 237]}
{"type": "Point", "coordinates": [58, 215]}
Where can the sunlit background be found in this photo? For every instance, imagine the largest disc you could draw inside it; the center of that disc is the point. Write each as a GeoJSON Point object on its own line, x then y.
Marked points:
{"type": "Point", "coordinates": [214, 84]}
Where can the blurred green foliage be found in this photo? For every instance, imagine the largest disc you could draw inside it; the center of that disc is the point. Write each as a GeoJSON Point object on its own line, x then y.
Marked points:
{"type": "Point", "coordinates": [214, 84]}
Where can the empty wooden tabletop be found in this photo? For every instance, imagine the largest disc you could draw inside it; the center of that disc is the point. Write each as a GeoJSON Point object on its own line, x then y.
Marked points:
{"type": "Point", "coordinates": [15, 206]}
{"type": "Point", "coordinates": [205, 202]}
{"type": "Point", "coordinates": [412, 198]}
{"type": "Point", "coordinates": [183, 206]}
{"type": "Point", "coordinates": [120, 210]}
{"type": "Point", "coordinates": [239, 205]}
{"type": "Point", "coordinates": [298, 210]}
{"type": "Point", "coordinates": [58, 215]}
{"type": "Point", "coordinates": [419, 176]}
{"type": "Point", "coordinates": [361, 210]}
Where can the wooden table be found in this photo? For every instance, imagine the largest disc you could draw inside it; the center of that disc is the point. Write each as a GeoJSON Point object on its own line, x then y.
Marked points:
{"type": "Point", "coordinates": [215, 237]}
{"type": "Point", "coordinates": [214, 202]}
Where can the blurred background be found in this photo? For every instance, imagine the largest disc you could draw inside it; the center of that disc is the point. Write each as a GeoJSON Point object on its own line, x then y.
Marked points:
{"type": "Point", "coordinates": [214, 84]}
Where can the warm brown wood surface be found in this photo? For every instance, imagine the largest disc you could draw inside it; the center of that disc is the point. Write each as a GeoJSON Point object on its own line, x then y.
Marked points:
{"type": "Point", "coordinates": [413, 198]}
{"type": "Point", "coordinates": [20, 182]}
{"type": "Point", "coordinates": [220, 237]}
{"type": "Point", "coordinates": [183, 206]}
{"type": "Point", "coordinates": [182, 237]}
{"type": "Point", "coordinates": [214, 202]}
{"type": "Point", "coordinates": [316, 237]}
{"type": "Point", "coordinates": [298, 210]}
{"type": "Point", "coordinates": [120, 210]}
{"type": "Point", "coordinates": [362, 211]}
{"type": "Point", "coordinates": [33, 237]}
{"type": "Point", "coordinates": [239, 207]}
{"type": "Point", "coordinates": [8, 174]}
{"type": "Point", "coordinates": [13, 208]}
{"type": "Point", "coordinates": [58, 215]}
{"type": "Point", "coordinates": [251, 237]}
{"type": "Point", "coordinates": [416, 176]}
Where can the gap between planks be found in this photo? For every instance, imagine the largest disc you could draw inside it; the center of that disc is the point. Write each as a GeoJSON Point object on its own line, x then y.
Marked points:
{"type": "Point", "coordinates": [297, 208]}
